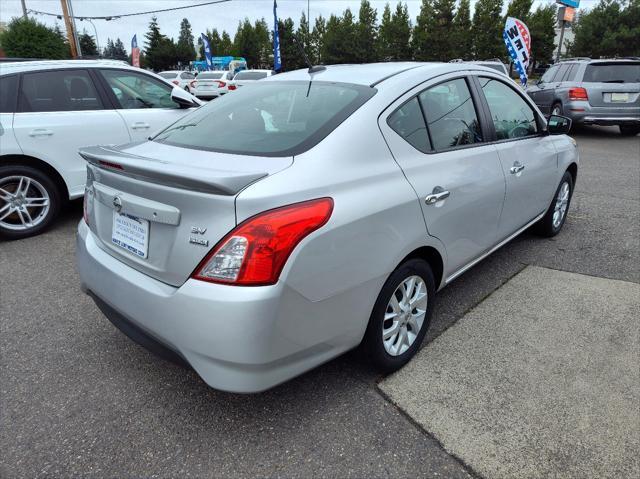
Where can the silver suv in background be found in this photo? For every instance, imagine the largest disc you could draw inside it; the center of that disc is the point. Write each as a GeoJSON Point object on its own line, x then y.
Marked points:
{"type": "Point", "coordinates": [592, 92]}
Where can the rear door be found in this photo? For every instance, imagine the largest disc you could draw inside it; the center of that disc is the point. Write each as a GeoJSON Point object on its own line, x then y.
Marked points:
{"type": "Point", "coordinates": [527, 155]}
{"type": "Point", "coordinates": [614, 85]}
{"type": "Point", "coordinates": [143, 102]}
{"type": "Point", "coordinates": [60, 112]}
{"type": "Point", "coordinates": [456, 175]}
{"type": "Point", "coordinates": [543, 92]}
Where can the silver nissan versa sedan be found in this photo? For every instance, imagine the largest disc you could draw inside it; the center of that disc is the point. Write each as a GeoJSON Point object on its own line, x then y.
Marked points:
{"type": "Point", "coordinates": [276, 228]}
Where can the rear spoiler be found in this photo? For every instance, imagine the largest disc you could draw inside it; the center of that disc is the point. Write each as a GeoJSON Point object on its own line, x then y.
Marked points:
{"type": "Point", "coordinates": [207, 180]}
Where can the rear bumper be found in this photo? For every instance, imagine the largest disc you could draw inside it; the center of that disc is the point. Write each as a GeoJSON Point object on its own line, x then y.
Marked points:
{"type": "Point", "coordinates": [582, 112]}
{"type": "Point", "coordinates": [239, 339]}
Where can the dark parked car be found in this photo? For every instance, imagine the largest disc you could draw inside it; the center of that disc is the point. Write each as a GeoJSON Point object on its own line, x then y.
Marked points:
{"type": "Point", "coordinates": [592, 92]}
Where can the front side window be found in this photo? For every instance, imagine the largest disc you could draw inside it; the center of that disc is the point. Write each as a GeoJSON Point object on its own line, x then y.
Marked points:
{"type": "Point", "coordinates": [134, 90]}
{"type": "Point", "coordinates": [511, 115]}
{"type": "Point", "coordinates": [64, 90]}
{"type": "Point", "coordinates": [451, 115]}
{"type": "Point", "coordinates": [273, 119]}
{"type": "Point", "coordinates": [549, 74]}
{"type": "Point", "coordinates": [408, 122]}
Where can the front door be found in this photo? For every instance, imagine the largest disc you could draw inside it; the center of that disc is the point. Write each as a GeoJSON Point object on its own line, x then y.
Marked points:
{"type": "Point", "coordinates": [457, 177]}
{"type": "Point", "coordinates": [527, 155]}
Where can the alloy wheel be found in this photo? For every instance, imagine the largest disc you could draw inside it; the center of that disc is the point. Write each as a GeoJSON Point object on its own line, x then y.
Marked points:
{"type": "Point", "coordinates": [404, 315]}
{"type": "Point", "coordinates": [24, 203]}
{"type": "Point", "coordinates": [562, 202]}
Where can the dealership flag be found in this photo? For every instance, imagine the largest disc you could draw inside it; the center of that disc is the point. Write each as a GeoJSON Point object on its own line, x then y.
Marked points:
{"type": "Point", "coordinates": [516, 37]}
{"type": "Point", "coordinates": [207, 50]}
{"type": "Point", "coordinates": [277, 60]}
{"type": "Point", "coordinates": [135, 52]}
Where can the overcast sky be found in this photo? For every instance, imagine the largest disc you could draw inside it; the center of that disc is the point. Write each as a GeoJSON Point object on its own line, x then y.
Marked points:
{"type": "Point", "coordinates": [224, 16]}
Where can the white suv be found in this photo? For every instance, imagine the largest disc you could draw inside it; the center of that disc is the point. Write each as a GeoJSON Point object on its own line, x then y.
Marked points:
{"type": "Point", "coordinates": [50, 109]}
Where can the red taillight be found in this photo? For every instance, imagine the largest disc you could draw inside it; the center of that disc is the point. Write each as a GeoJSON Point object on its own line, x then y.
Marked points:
{"type": "Point", "coordinates": [175, 82]}
{"type": "Point", "coordinates": [232, 87]}
{"type": "Point", "coordinates": [193, 83]}
{"type": "Point", "coordinates": [578, 94]}
{"type": "Point", "coordinates": [254, 253]}
{"type": "Point", "coordinates": [221, 84]}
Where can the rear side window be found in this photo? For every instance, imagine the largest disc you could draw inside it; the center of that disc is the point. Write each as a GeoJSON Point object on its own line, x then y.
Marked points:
{"type": "Point", "coordinates": [245, 75]}
{"type": "Point", "coordinates": [613, 72]}
{"type": "Point", "coordinates": [187, 76]}
{"type": "Point", "coordinates": [451, 115]}
{"type": "Point", "coordinates": [134, 90]}
{"type": "Point", "coordinates": [564, 68]}
{"type": "Point", "coordinates": [8, 93]}
{"type": "Point", "coordinates": [571, 73]}
{"type": "Point", "coordinates": [64, 90]}
{"type": "Point", "coordinates": [270, 119]}
{"type": "Point", "coordinates": [408, 122]}
{"type": "Point", "coordinates": [511, 114]}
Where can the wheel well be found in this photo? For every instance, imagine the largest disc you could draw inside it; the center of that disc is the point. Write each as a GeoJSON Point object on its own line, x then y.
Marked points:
{"type": "Point", "coordinates": [573, 169]}
{"type": "Point", "coordinates": [46, 168]}
{"type": "Point", "coordinates": [431, 256]}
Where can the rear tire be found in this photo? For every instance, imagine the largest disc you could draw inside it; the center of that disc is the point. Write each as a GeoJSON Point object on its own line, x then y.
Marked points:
{"type": "Point", "coordinates": [553, 220]}
{"type": "Point", "coordinates": [556, 108]}
{"type": "Point", "coordinates": [29, 201]}
{"type": "Point", "coordinates": [404, 321]}
{"type": "Point", "coordinates": [629, 130]}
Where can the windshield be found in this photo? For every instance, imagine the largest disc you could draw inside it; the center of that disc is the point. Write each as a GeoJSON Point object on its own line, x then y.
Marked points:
{"type": "Point", "coordinates": [270, 119]}
{"type": "Point", "coordinates": [247, 75]}
{"type": "Point", "coordinates": [167, 75]}
{"type": "Point", "coordinates": [617, 72]}
{"type": "Point", "coordinates": [210, 76]}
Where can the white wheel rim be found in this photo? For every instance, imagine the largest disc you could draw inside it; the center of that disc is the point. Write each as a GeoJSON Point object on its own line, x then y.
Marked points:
{"type": "Point", "coordinates": [24, 203]}
{"type": "Point", "coordinates": [562, 202]}
{"type": "Point", "coordinates": [404, 315]}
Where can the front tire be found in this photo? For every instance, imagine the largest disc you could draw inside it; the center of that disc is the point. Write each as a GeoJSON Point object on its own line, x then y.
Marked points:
{"type": "Point", "coordinates": [553, 220]}
{"type": "Point", "coordinates": [29, 201]}
{"type": "Point", "coordinates": [401, 316]}
{"type": "Point", "coordinates": [629, 130]}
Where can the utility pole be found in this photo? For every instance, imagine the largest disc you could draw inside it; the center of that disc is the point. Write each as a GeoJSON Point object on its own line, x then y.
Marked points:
{"type": "Point", "coordinates": [24, 9]}
{"type": "Point", "coordinates": [75, 29]}
{"type": "Point", "coordinates": [71, 36]}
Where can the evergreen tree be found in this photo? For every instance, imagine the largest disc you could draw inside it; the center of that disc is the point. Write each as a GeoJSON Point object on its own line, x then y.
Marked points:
{"type": "Point", "coordinates": [422, 38]}
{"type": "Point", "coordinates": [119, 52]}
{"type": "Point", "coordinates": [366, 40]}
{"type": "Point", "coordinates": [317, 36]}
{"type": "Point", "coordinates": [303, 34]}
{"type": "Point", "coordinates": [611, 28]}
{"type": "Point", "coordinates": [265, 47]}
{"type": "Point", "coordinates": [487, 30]}
{"type": "Point", "coordinates": [291, 59]}
{"type": "Point", "coordinates": [444, 48]}
{"type": "Point", "coordinates": [520, 9]}
{"type": "Point", "coordinates": [185, 50]}
{"type": "Point", "coordinates": [541, 25]}
{"type": "Point", "coordinates": [87, 45]}
{"type": "Point", "coordinates": [331, 50]}
{"type": "Point", "coordinates": [226, 45]}
{"type": "Point", "coordinates": [107, 52]}
{"type": "Point", "coordinates": [27, 38]}
{"type": "Point", "coordinates": [462, 39]}
{"type": "Point", "coordinates": [395, 33]}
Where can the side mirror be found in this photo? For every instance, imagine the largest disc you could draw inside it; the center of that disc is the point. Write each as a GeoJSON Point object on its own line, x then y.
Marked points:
{"type": "Point", "coordinates": [558, 125]}
{"type": "Point", "coordinates": [182, 98]}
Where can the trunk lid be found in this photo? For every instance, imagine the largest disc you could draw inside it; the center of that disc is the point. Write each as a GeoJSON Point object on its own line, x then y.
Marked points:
{"type": "Point", "coordinates": [613, 84]}
{"type": "Point", "coordinates": [161, 208]}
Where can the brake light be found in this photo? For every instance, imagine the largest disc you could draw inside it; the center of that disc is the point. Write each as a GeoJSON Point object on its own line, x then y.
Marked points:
{"type": "Point", "coordinates": [193, 83]}
{"type": "Point", "coordinates": [578, 94]}
{"type": "Point", "coordinates": [232, 87]}
{"type": "Point", "coordinates": [175, 82]}
{"type": "Point", "coordinates": [221, 84]}
{"type": "Point", "coordinates": [254, 252]}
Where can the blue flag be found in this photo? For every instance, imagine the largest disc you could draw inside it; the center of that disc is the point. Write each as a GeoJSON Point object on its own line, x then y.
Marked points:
{"type": "Point", "coordinates": [207, 50]}
{"type": "Point", "coordinates": [277, 60]}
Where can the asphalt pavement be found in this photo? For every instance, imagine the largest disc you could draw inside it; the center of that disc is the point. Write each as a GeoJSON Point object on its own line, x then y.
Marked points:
{"type": "Point", "coordinates": [78, 398]}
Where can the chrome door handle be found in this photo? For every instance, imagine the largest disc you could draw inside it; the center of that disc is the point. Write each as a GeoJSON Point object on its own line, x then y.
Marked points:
{"type": "Point", "coordinates": [40, 132]}
{"type": "Point", "coordinates": [433, 198]}
{"type": "Point", "coordinates": [515, 169]}
{"type": "Point", "coordinates": [140, 125]}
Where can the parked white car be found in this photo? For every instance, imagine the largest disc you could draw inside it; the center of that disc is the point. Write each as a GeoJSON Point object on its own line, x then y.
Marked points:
{"type": "Point", "coordinates": [184, 79]}
{"type": "Point", "coordinates": [245, 77]}
{"type": "Point", "coordinates": [50, 109]}
{"type": "Point", "coordinates": [212, 84]}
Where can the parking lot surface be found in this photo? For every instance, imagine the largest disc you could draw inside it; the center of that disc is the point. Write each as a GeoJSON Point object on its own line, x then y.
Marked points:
{"type": "Point", "coordinates": [78, 398]}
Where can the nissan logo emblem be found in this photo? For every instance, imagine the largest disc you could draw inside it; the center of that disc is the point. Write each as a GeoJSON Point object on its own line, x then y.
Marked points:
{"type": "Point", "coordinates": [117, 203]}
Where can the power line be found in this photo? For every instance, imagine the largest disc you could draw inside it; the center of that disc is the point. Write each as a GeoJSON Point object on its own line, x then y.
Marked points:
{"type": "Point", "coordinates": [115, 17]}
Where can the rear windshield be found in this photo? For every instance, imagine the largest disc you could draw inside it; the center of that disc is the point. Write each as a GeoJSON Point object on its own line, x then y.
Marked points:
{"type": "Point", "coordinates": [167, 74]}
{"type": "Point", "coordinates": [613, 72]}
{"type": "Point", "coordinates": [268, 119]}
{"type": "Point", "coordinates": [246, 75]}
{"type": "Point", "coordinates": [210, 76]}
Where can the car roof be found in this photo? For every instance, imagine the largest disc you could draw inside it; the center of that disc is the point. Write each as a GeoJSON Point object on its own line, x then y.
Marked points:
{"type": "Point", "coordinates": [19, 67]}
{"type": "Point", "coordinates": [255, 70]}
{"type": "Point", "coordinates": [599, 60]}
{"type": "Point", "coordinates": [371, 74]}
